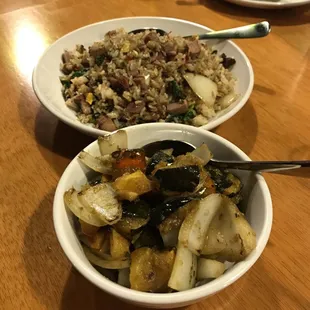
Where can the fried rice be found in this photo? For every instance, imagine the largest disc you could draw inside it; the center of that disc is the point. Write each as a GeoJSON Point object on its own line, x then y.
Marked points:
{"type": "Point", "coordinates": [129, 79]}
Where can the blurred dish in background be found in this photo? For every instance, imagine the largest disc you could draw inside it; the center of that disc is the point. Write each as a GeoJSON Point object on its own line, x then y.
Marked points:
{"type": "Point", "coordinates": [270, 4]}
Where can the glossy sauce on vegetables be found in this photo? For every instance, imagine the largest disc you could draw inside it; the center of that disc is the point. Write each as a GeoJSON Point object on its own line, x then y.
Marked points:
{"type": "Point", "coordinates": [162, 221]}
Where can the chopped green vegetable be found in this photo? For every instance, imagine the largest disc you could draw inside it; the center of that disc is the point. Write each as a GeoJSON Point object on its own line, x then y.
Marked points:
{"type": "Point", "coordinates": [78, 73]}
{"type": "Point", "coordinates": [65, 83]}
{"type": "Point", "coordinates": [175, 90]}
{"type": "Point", "coordinates": [92, 120]}
{"type": "Point", "coordinates": [191, 113]}
{"type": "Point", "coordinates": [99, 60]}
{"type": "Point", "coordinates": [183, 118]}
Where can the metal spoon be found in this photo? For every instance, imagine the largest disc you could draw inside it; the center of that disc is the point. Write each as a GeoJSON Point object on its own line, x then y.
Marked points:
{"type": "Point", "coordinates": [258, 30]}
{"type": "Point", "coordinates": [297, 168]}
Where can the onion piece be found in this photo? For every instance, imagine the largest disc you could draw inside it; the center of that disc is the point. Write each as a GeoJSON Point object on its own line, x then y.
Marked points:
{"type": "Point", "coordinates": [102, 165]}
{"type": "Point", "coordinates": [111, 143]}
{"type": "Point", "coordinates": [227, 100]}
{"type": "Point", "coordinates": [183, 275]}
{"type": "Point", "coordinates": [203, 87]}
{"type": "Point", "coordinates": [230, 237]}
{"type": "Point", "coordinates": [102, 255]}
{"type": "Point", "coordinates": [72, 202]}
{"type": "Point", "coordinates": [209, 269]}
{"type": "Point", "coordinates": [123, 277]}
{"type": "Point", "coordinates": [101, 200]}
{"type": "Point", "coordinates": [196, 224]}
{"type": "Point", "coordinates": [107, 264]}
{"type": "Point", "coordinates": [203, 153]}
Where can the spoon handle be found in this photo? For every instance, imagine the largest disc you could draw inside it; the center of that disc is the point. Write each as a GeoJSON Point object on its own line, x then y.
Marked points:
{"type": "Point", "coordinates": [280, 167]}
{"type": "Point", "coordinates": [250, 31]}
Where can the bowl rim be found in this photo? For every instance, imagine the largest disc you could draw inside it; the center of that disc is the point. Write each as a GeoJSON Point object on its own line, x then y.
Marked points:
{"type": "Point", "coordinates": [98, 132]}
{"type": "Point", "coordinates": [154, 298]}
{"type": "Point", "coordinates": [269, 5]}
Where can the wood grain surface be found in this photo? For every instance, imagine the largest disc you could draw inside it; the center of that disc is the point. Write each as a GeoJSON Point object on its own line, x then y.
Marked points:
{"type": "Point", "coordinates": [35, 149]}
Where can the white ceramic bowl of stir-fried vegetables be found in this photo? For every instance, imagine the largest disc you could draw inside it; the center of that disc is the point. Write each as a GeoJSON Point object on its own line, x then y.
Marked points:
{"type": "Point", "coordinates": [182, 289]}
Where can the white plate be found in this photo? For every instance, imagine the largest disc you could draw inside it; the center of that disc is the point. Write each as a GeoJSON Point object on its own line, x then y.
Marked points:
{"type": "Point", "coordinates": [270, 4]}
{"type": "Point", "coordinates": [46, 74]}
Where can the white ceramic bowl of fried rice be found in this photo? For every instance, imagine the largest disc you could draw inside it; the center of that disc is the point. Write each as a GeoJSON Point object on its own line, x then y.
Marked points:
{"type": "Point", "coordinates": [257, 202]}
{"type": "Point", "coordinates": [46, 75]}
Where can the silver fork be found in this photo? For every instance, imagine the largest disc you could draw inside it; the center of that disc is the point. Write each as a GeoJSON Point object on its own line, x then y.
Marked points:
{"type": "Point", "coordinates": [295, 168]}
{"type": "Point", "coordinates": [258, 30]}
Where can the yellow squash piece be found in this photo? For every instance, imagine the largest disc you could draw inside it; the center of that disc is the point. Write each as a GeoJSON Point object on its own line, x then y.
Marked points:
{"type": "Point", "coordinates": [131, 186]}
{"type": "Point", "coordinates": [150, 269]}
{"type": "Point", "coordinates": [119, 246]}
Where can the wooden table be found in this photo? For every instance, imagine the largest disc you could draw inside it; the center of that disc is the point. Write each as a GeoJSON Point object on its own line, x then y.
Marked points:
{"type": "Point", "coordinates": [36, 147]}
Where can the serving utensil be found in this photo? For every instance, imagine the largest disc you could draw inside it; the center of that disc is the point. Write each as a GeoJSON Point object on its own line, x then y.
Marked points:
{"type": "Point", "coordinates": [295, 168]}
{"type": "Point", "coordinates": [258, 30]}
